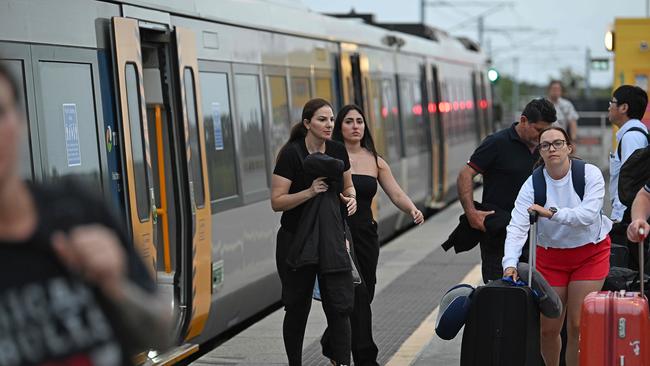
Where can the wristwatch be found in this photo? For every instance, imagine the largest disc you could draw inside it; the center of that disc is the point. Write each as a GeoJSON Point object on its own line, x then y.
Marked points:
{"type": "Point", "coordinates": [553, 211]}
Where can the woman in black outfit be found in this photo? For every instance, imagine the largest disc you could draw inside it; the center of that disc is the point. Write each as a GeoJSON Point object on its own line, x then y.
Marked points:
{"type": "Point", "coordinates": [367, 169]}
{"type": "Point", "coordinates": [291, 189]}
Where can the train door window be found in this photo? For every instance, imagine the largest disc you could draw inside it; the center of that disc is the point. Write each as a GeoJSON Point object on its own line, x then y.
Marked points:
{"type": "Point", "coordinates": [300, 94]}
{"type": "Point", "coordinates": [69, 137]}
{"type": "Point", "coordinates": [219, 138]}
{"type": "Point", "coordinates": [324, 89]}
{"type": "Point", "coordinates": [195, 148]}
{"type": "Point", "coordinates": [137, 141]}
{"type": "Point", "coordinates": [16, 69]}
{"type": "Point", "coordinates": [280, 119]}
{"type": "Point", "coordinates": [391, 121]}
{"type": "Point", "coordinates": [249, 119]}
{"type": "Point", "coordinates": [413, 127]}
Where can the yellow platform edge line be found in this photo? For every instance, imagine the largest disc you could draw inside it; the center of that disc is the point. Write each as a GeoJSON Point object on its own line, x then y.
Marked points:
{"type": "Point", "coordinates": [414, 345]}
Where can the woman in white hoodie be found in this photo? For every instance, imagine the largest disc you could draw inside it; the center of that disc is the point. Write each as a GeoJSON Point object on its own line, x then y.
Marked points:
{"type": "Point", "coordinates": [573, 244]}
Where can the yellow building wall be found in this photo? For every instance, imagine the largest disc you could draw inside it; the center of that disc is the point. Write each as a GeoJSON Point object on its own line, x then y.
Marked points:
{"type": "Point", "coordinates": [632, 54]}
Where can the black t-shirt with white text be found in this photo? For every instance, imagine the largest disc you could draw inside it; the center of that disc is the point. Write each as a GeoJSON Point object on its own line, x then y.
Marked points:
{"type": "Point", "coordinates": [49, 316]}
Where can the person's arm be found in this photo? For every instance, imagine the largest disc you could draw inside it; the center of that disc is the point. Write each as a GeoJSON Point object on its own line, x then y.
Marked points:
{"type": "Point", "coordinates": [572, 121]}
{"type": "Point", "coordinates": [517, 230]}
{"type": "Point", "coordinates": [588, 212]}
{"type": "Point", "coordinates": [94, 253]}
{"type": "Point", "coordinates": [395, 192]}
{"type": "Point", "coordinates": [349, 195]}
{"type": "Point", "coordinates": [640, 213]}
{"type": "Point", "coordinates": [465, 184]}
{"type": "Point", "coordinates": [573, 127]}
{"type": "Point", "coordinates": [281, 200]}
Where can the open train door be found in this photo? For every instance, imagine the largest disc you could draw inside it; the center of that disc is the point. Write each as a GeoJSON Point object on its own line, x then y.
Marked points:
{"type": "Point", "coordinates": [168, 212]}
{"type": "Point", "coordinates": [192, 122]}
{"type": "Point", "coordinates": [134, 134]}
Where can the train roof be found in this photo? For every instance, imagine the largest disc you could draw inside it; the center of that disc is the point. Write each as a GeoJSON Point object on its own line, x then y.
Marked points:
{"type": "Point", "coordinates": [293, 17]}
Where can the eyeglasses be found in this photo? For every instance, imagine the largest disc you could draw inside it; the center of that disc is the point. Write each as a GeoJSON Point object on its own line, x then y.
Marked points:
{"type": "Point", "coordinates": [557, 145]}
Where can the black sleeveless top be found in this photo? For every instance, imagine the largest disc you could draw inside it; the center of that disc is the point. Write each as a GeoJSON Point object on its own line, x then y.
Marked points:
{"type": "Point", "coordinates": [366, 188]}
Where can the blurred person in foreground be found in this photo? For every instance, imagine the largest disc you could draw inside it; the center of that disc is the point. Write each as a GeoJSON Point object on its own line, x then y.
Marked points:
{"type": "Point", "coordinates": [72, 289]}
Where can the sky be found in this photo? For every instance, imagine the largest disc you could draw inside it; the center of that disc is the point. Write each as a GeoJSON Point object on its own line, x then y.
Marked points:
{"type": "Point", "coordinates": [545, 36]}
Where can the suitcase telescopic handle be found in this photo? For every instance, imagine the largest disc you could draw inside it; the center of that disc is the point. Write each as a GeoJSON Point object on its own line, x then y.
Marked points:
{"type": "Point", "coordinates": [532, 245]}
{"type": "Point", "coordinates": [642, 234]}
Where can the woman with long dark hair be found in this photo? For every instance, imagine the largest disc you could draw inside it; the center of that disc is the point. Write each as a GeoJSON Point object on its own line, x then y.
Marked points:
{"type": "Point", "coordinates": [291, 190]}
{"type": "Point", "coordinates": [573, 242]}
{"type": "Point", "coordinates": [368, 168]}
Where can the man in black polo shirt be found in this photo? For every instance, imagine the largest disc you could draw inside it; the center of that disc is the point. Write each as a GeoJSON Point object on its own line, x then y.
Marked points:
{"type": "Point", "coordinates": [505, 159]}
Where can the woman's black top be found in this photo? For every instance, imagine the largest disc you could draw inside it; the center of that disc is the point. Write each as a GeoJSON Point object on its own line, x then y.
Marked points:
{"type": "Point", "coordinates": [289, 165]}
{"type": "Point", "coordinates": [366, 187]}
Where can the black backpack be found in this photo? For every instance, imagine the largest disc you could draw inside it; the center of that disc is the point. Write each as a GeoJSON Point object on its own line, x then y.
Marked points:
{"type": "Point", "coordinates": [635, 172]}
{"type": "Point", "coordinates": [577, 177]}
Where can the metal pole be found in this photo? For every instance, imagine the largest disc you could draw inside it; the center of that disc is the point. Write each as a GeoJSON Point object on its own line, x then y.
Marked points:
{"type": "Point", "coordinates": [422, 11]}
{"type": "Point", "coordinates": [587, 73]}
{"type": "Point", "coordinates": [481, 28]}
{"type": "Point", "coordinates": [515, 88]}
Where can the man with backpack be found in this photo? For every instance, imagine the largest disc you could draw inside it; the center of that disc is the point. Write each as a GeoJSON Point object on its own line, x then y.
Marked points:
{"type": "Point", "coordinates": [626, 108]}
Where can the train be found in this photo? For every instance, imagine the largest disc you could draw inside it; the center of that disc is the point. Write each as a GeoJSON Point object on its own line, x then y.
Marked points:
{"type": "Point", "coordinates": [175, 110]}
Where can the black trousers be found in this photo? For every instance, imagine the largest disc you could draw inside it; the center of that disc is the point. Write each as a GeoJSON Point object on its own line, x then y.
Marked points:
{"type": "Point", "coordinates": [492, 255]}
{"type": "Point", "coordinates": [366, 255]}
{"type": "Point", "coordinates": [297, 287]}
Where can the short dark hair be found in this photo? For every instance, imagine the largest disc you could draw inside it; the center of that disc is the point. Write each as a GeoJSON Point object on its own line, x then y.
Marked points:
{"type": "Point", "coordinates": [555, 81]}
{"type": "Point", "coordinates": [540, 110]}
{"type": "Point", "coordinates": [635, 98]}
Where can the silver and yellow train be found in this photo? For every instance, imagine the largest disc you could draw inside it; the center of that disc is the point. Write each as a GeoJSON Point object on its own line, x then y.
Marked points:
{"type": "Point", "coordinates": [174, 110]}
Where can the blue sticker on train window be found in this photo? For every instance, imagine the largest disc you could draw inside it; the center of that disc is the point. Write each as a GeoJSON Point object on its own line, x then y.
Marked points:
{"type": "Point", "coordinates": [71, 125]}
{"type": "Point", "coordinates": [216, 122]}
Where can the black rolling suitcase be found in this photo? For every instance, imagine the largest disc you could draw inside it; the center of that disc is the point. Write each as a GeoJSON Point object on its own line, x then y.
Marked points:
{"type": "Point", "coordinates": [502, 328]}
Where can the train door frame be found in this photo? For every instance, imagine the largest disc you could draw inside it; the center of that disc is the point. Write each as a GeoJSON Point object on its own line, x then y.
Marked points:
{"type": "Point", "coordinates": [15, 52]}
{"type": "Point", "coordinates": [428, 116]}
{"type": "Point", "coordinates": [76, 56]}
{"type": "Point", "coordinates": [478, 96]}
{"type": "Point", "coordinates": [194, 282]}
{"type": "Point", "coordinates": [438, 131]}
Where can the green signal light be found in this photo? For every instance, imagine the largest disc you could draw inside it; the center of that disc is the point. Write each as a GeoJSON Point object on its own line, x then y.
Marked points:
{"type": "Point", "coordinates": [493, 75]}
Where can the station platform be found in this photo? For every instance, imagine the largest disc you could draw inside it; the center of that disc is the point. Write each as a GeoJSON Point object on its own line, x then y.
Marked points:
{"type": "Point", "coordinates": [413, 274]}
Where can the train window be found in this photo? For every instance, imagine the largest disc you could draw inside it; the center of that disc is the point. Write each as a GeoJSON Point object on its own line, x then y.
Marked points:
{"type": "Point", "coordinates": [16, 68]}
{"type": "Point", "coordinates": [300, 94]}
{"type": "Point", "coordinates": [249, 117]}
{"type": "Point", "coordinates": [411, 104]}
{"type": "Point", "coordinates": [390, 114]}
{"type": "Point", "coordinates": [280, 119]}
{"type": "Point", "coordinates": [219, 139]}
{"type": "Point", "coordinates": [69, 136]}
{"type": "Point", "coordinates": [137, 143]}
{"type": "Point", "coordinates": [195, 145]}
{"type": "Point", "coordinates": [324, 89]}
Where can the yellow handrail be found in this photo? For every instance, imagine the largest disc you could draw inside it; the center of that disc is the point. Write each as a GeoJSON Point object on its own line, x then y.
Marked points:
{"type": "Point", "coordinates": [162, 211]}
